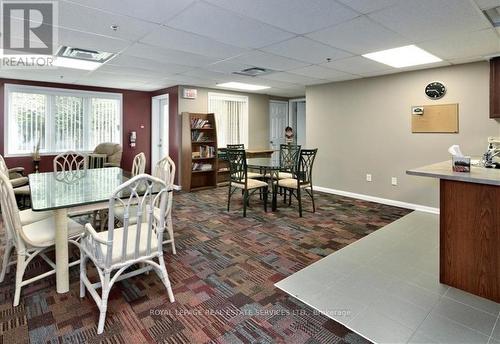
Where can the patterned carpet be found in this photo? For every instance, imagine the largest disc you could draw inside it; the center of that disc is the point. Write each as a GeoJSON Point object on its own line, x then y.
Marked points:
{"type": "Point", "coordinates": [223, 277]}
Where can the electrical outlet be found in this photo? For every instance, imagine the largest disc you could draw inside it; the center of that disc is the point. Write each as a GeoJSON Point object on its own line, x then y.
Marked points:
{"type": "Point", "coordinates": [368, 177]}
{"type": "Point", "coordinates": [394, 181]}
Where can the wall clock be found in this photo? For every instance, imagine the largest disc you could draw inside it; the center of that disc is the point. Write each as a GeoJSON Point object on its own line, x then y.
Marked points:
{"type": "Point", "coordinates": [435, 90]}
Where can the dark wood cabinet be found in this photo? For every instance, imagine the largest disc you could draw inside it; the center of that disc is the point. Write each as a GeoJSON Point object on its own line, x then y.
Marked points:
{"type": "Point", "coordinates": [495, 87]}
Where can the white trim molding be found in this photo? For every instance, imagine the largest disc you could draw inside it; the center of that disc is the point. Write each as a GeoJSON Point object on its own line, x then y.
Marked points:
{"type": "Point", "coordinates": [413, 206]}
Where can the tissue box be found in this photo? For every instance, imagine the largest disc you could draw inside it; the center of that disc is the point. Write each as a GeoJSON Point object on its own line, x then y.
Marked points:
{"type": "Point", "coordinates": [461, 164]}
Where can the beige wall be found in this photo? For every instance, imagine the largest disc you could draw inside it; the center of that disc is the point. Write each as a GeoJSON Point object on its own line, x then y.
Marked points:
{"type": "Point", "coordinates": [363, 126]}
{"type": "Point", "coordinates": [258, 113]}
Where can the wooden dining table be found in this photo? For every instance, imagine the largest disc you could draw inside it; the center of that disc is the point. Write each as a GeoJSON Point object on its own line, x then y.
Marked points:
{"type": "Point", "coordinates": [64, 192]}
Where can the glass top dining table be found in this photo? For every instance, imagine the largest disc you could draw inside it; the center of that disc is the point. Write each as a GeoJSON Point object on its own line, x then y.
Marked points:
{"type": "Point", "coordinates": [271, 167]}
{"type": "Point", "coordinates": [54, 190]}
{"type": "Point", "coordinates": [60, 191]}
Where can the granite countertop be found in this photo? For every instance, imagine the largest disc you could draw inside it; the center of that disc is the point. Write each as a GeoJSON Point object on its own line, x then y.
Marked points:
{"type": "Point", "coordinates": [443, 170]}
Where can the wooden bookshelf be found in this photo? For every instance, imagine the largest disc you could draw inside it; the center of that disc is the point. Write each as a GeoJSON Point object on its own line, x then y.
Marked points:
{"type": "Point", "coordinates": [199, 151]}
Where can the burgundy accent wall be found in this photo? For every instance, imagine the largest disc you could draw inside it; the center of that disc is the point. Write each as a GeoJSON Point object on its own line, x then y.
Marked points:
{"type": "Point", "coordinates": [174, 126]}
{"type": "Point", "coordinates": [136, 117]}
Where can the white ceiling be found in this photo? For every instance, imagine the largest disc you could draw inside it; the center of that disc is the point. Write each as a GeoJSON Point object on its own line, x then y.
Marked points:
{"type": "Point", "coordinates": [164, 43]}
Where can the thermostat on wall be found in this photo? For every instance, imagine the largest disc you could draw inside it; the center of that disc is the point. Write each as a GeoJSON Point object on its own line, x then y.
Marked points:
{"type": "Point", "coordinates": [189, 93]}
{"type": "Point", "coordinates": [417, 110]}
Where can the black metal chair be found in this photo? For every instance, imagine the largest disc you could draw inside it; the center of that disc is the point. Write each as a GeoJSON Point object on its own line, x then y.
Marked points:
{"type": "Point", "coordinates": [289, 155]}
{"type": "Point", "coordinates": [239, 179]}
{"type": "Point", "coordinates": [302, 178]}
{"type": "Point", "coordinates": [236, 146]}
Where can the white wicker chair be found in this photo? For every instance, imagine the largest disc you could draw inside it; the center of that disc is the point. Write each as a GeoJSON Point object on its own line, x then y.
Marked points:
{"type": "Point", "coordinates": [164, 170]}
{"type": "Point", "coordinates": [117, 249]}
{"type": "Point", "coordinates": [139, 164]}
{"type": "Point", "coordinates": [27, 216]}
{"type": "Point", "coordinates": [70, 161]}
{"type": "Point", "coordinates": [29, 240]}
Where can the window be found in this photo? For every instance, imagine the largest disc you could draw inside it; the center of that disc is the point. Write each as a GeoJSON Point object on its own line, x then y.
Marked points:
{"type": "Point", "coordinates": [59, 120]}
{"type": "Point", "coordinates": [231, 117]}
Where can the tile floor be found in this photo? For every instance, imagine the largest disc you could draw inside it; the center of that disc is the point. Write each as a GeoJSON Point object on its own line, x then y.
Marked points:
{"type": "Point", "coordinates": [386, 288]}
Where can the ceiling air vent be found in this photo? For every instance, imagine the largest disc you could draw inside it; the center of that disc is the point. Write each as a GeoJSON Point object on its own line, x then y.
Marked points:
{"type": "Point", "coordinates": [84, 54]}
{"type": "Point", "coordinates": [493, 15]}
{"type": "Point", "coordinates": [254, 71]}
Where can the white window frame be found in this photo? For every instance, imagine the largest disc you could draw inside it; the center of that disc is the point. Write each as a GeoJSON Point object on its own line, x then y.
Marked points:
{"type": "Point", "coordinates": [52, 91]}
{"type": "Point", "coordinates": [236, 97]}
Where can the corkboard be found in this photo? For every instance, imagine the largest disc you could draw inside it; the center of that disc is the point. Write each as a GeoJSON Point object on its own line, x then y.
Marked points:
{"type": "Point", "coordinates": [436, 119]}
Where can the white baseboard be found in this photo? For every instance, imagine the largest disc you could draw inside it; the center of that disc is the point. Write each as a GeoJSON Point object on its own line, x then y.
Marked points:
{"type": "Point", "coordinates": [395, 203]}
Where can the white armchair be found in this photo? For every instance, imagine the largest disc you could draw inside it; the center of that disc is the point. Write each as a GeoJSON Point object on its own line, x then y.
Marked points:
{"type": "Point", "coordinates": [29, 240]}
{"type": "Point", "coordinates": [117, 249]}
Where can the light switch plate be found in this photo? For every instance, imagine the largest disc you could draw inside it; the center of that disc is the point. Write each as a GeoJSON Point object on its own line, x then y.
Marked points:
{"type": "Point", "coordinates": [394, 181]}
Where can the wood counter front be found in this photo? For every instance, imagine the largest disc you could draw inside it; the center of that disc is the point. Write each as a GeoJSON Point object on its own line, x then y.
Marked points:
{"type": "Point", "coordinates": [470, 237]}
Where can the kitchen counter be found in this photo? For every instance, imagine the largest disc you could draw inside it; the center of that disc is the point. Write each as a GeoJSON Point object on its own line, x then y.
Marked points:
{"type": "Point", "coordinates": [443, 170]}
{"type": "Point", "coordinates": [469, 227]}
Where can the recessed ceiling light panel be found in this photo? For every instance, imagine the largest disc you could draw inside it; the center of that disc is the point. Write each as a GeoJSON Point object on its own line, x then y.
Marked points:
{"type": "Point", "coordinates": [406, 56]}
{"type": "Point", "coordinates": [242, 86]}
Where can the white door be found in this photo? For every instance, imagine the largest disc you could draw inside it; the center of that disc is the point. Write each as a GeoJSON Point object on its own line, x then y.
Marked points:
{"type": "Point", "coordinates": [278, 121]}
{"type": "Point", "coordinates": [159, 129]}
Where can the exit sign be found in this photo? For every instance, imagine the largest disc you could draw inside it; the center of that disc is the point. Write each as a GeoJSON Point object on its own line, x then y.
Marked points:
{"type": "Point", "coordinates": [189, 93]}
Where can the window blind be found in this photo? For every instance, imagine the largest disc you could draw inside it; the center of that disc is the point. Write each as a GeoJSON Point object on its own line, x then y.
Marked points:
{"type": "Point", "coordinates": [60, 120]}
{"type": "Point", "coordinates": [231, 117]}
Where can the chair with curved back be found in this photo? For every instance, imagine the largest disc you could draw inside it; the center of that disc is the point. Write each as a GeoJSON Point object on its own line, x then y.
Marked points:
{"type": "Point", "coordinates": [113, 152]}
{"type": "Point", "coordinates": [27, 216]}
{"type": "Point", "coordinates": [302, 178]}
{"type": "Point", "coordinates": [139, 164]}
{"type": "Point", "coordinates": [69, 161]}
{"type": "Point", "coordinates": [134, 245]}
{"type": "Point", "coordinates": [236, 146]}
{"type": "Point", "coordinates": [289, 154]}
{"type": "Point", "coordinates": [239, 179]}
{"type": "Point", "coordinates": [28, 240]}
{"type": "Point", "coordinates": [164, 170]}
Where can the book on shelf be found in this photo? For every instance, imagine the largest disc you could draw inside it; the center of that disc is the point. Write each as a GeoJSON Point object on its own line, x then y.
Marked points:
{"type": "Point", "coordinates": [198, 166]}
{"type": "Point", "coordinates": [207, 151]}
{"type": "Point", "coordinates": [198, 123]}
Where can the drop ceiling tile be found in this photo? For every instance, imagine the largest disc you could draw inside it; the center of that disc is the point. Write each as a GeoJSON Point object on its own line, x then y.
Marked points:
{"type": "Point", "coordinates": [273, 83]}
{"type": "Point", "coordinates": [157, 11]}
{"type": "Point", "coordinates": [487, 4]}
{"type": "Point", "coordinates": [297, 16]}
{"type": "Point", "coordinates": [127, 61]}
{"type": "Point", "coordinates": [360, 36]}
{"type": "Point", "coordinates": [367, 6]}
{"type": "Point", "coordinates": [307, 50]}
{"type": "Point", "coordinates": [427, 19]}
{"type": "Point", "coordinates": [227, 67]}
{"type": "Point", "coordinates": [265, 60]}
{"type": "Point", "coordinates": [84, 40]}
{"type": "Point", "coordinates": [165, 55]}
{"type": "Point", "coordinates": [294, 78]}
{"type": "Point", "coordinates": [75, 17]}
{"type": "Point", "coordinates": [479, 43]}
{"type": "Point", "coordinates": [356, 65]}
{"type": "Point", "coordinates": [227, 27]}
{"type": "Point", "coordinates": [207, 75]}
{"type": "Point", "coordinates": [320, 72]}
{"type": "Point", "coordinates": [63, 75]}
{"type": "Point", "coordinates": [165, 37]}
{"type": "Point", "coordinates": [467, 60]}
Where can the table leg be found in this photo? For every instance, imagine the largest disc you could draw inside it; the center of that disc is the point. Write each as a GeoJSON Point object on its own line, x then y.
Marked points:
{"type": "Point", "coordinates": [274, 186]}
{"type": "Point", "coordinates": [62, 268]}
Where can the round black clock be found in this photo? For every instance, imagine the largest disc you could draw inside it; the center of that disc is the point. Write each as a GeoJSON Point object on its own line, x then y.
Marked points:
{"type": "Point", "coordinates": [435, 90]}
